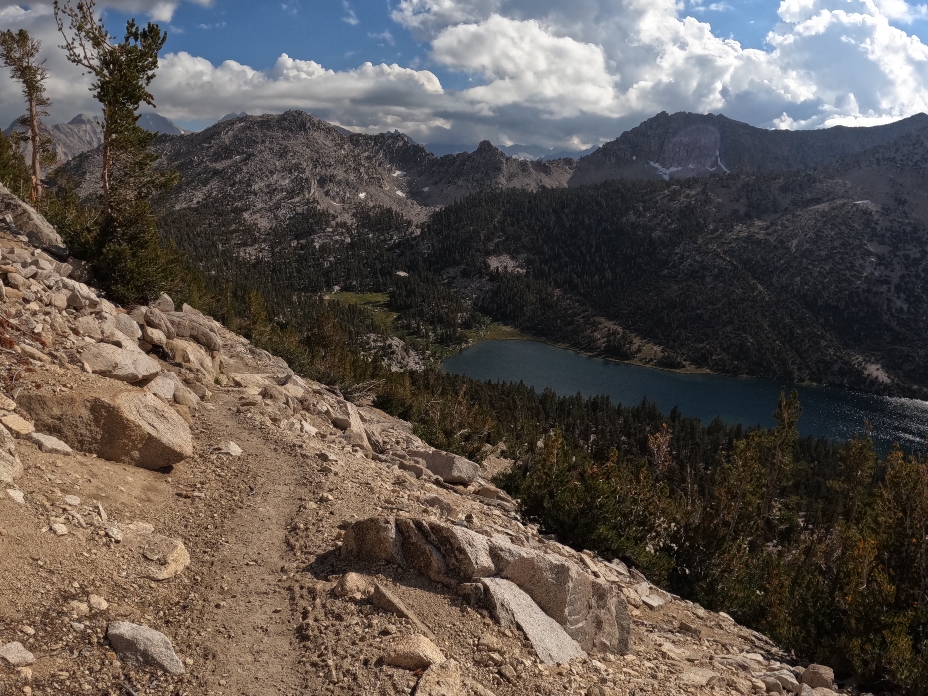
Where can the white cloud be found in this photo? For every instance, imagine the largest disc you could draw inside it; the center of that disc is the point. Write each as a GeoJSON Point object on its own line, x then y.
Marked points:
{"type": "Point", "coordinates": [350, 17]}
{"type": "Point", "coordinates": [556, 73]}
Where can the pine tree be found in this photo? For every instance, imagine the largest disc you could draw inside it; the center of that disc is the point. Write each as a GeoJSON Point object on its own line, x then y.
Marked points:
{"type": "Point", "coordinates": [19, 52]}
{"type": "Point", "coordinates": [127, 252]}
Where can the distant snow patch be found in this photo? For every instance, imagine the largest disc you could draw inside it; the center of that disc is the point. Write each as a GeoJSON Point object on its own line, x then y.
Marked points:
{"type": "Point", "coordinates": [362, 195]}
{"type": "Point", "coordinates": [664, 172]}
{"type": "Point", "coordinates": [402, 274]}
{"type": "Point", "coordinates": [399, 173]}
{"type": "Point", "coordinates": [426, 189]}
{"type": "Point", "coordinates": [400, 193]}
{"type": "Point", "coordinates": [719, 159]}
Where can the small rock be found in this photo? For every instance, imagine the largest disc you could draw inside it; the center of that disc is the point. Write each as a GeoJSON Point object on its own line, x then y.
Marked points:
{"type": "Point", "coordinates": [16, 655]}
{"type": "Point", "coordinates": [412, 652]}
{"type": "Point", "coordinates": [98, 603]}
{"type": "Point", "coordinates": [353, 585]}
{"type": "Point", "coordinates": [508, 673]}
{"type": "Point", "coordinates": [59, 529]}
{"type": "Point", "coordinates": [78, 608]}
{"type": "Point", "coordinates": [229, 448]}
{"type": "Point", "coordinates": [114, 533]}
{"type": "Point", "coordinates": [17, 496]}
{"type": "Point", "coordinates": [72, 500]}
{"type": "Point", "coordinates": [49, 443]}
{"type": "Point", "coordinates": [696, 676]}
{"type": "Point", "coordinates": [652, 601]}
{"type": "Point", "coordinates": [135, 644]}
{"type": "Point", "coordinates": [33, 353]}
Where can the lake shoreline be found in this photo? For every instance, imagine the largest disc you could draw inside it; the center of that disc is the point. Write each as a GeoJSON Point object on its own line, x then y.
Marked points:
{"type": "Point", "coordinates": [833, 412]}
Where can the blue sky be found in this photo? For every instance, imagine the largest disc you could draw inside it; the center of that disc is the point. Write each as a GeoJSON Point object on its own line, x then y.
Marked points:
{"type": "Point", "coordinates": [563, 74]}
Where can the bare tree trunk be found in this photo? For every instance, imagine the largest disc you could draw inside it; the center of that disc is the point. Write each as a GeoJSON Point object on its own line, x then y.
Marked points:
{"type": "Point", "coordinates": [107, 135]}
{"type": "Point", "coordinates": [36, 191]}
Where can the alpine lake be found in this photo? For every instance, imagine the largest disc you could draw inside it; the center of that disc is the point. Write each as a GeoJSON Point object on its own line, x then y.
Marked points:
{"type": "Point", "coordinates": [833, 413]}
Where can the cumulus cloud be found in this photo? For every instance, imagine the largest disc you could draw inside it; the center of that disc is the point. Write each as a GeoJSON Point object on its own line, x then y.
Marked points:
{"type": "Point", "coordinates": [567, 74]}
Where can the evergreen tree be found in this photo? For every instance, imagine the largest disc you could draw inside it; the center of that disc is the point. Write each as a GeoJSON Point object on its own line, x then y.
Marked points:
{"type": "Point", "coordinates": [125, 246]}
{"type": "Point", "coordinates": [13, 171]}
{"type": "Point", "coordinates": [19, 52]}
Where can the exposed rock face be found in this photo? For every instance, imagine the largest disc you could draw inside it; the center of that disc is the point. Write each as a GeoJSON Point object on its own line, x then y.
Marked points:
{"type": "Point", "coordinates": [135, 644]}
{"type": "Point", "coordinates": [513, 608]}
{"type": "Point", "coordinates": [132, 427]}
{"type": "Point", "coordinates": [28, 222]}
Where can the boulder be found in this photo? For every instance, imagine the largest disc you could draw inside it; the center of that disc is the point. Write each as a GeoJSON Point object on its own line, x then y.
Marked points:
{"type": "Point", "coordinates": [88, 326]}
{"type": "Point", "coordinates": [190, 355]}
{"type": "Point", "coordinates": [412, 652]}
{"type": "Point", "coordinates": [420, 550]}
{"type": "Point", "coordinates": [451, 468]}
{"type": "Point", "coordinates": [155, 337]}
{"type": "Point", "coordinates": [196, 328]}
{"type": "Point", "coordinates": [503, 552]}
{"type": "Point", "coordinates": [16, 424]}
{"type": "Point", "coordinates": [373, 540]}
{"type": "Point", "coordinates": [155, 319]}
{"type": "Point", "coordinates": [513, 608]}
{"type": "Point", "coordinates": [162, 386]}
{"type": "Point", "coordinates": [353, 585]}
{"type": "Point", "coordinates": [818, 676]}
{"type": "Point", "coordinates": [466, 553]}
{"type": "Point", "coordinates": [117, 363]}
{"type": "Point", "coordinates": [126, 325]}
{"type": "Point", "coordinates": [183, 395]}
{"type": "Point", "coordinates": [141, 645]}
{"type": "Point", "coordinates": [131, 427]}
{"type": "Point", "coordinates": [29, 222]}
{"type": "Point", "coordinates": [591, 610]}
{"type": "Point", "coordinates": [164, 303]}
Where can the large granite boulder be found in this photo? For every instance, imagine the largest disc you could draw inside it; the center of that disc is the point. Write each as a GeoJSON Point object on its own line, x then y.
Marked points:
{"type": "Point", "coordinates": [513, 608]}
{"type": "Point", "coordinates": [132, 427]}
{"type": "Point", "coordinates": [591, 610]}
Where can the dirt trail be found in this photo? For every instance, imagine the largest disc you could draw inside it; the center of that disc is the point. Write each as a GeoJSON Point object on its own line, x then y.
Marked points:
{"type": "Point", "coordinates": [250, 619]}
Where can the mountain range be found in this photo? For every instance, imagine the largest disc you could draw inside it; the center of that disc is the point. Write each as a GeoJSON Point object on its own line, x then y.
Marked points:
{"type": "Point", "coordinates": [690, 241]}
{"type": "Point", "coordinates": [83, 133]}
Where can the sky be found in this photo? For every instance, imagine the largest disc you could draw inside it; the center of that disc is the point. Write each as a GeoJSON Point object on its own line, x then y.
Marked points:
{"type": "Point", "coordinates": [564, 74]}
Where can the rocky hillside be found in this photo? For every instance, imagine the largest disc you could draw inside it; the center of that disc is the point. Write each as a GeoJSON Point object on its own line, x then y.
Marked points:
{"type": "Point", "coordinates": [684, 145]}
{"type": "Point", "coordinates": [182, 514]}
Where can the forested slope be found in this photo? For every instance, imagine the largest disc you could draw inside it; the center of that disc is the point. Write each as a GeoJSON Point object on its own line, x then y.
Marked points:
{"type": "Point", "coordinates": [781, 276]}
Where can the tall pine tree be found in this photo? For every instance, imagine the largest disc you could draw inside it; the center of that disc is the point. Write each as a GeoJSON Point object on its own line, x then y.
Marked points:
{"type": "Point", "coordinates": [125, 247]}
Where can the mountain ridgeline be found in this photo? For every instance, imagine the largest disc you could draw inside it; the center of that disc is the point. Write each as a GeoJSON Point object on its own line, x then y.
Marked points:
{"type": "Point", "coordinates": [690, 241]}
